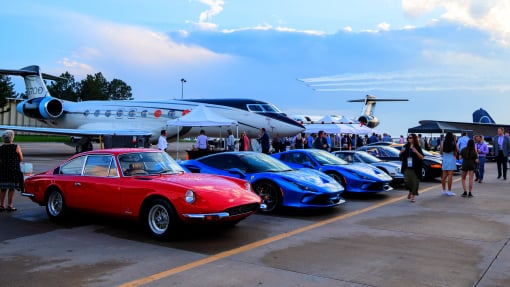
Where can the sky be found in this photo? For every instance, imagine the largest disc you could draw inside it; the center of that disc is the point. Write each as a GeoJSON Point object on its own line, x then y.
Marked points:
{"type": "Point", "coordinates": [448, 57]}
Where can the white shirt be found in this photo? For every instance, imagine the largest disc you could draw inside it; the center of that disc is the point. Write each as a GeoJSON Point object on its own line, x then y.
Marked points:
{"type": "Point", "coordinates": [201, 142]}
{"type": "Point", "coordinates": [162, 143]}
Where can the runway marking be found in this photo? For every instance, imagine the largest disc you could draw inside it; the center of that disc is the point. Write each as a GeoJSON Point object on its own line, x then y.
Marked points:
{"type": "Point", "coordinates": [256, 244]}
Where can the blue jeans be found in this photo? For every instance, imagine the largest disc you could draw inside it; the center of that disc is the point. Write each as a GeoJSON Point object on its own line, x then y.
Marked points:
{"type": "Point", "coordinates": [481, 168]}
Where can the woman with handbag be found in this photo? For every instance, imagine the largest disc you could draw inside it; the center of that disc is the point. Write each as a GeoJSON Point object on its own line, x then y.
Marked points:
{"type": "Point", "coordinates": [10, 172]}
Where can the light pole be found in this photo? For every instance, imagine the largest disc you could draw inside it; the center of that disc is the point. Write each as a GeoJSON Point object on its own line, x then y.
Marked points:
{"type": "Point", "coordinates": [182, 87]}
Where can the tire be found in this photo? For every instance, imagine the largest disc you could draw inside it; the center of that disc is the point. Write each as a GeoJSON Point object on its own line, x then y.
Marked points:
{"type": "Point", "coordinates": [338, 178]}
{"type": "Point", "coordinates": [159, 218]}
{"type": "Point", "coordinates": [424, 173]}
{"type": "Point", "coordinates": [270, 194]}
{"type": "Point", "coordinates": [56, 205]}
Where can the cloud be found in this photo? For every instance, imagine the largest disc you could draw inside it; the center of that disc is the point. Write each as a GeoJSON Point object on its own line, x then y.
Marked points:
{"type": "Point", "coordinates": [129, 45]}
{"type": "Point", "coordinates": [490, 16]}
{"type": "Point", "coordinates": [204, 19]}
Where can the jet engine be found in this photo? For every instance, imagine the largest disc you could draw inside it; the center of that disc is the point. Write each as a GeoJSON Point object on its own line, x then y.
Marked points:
{"type": "Point", "coordinates": [41, 108]}
{"type": "Point", "coordinates": [369, 121]}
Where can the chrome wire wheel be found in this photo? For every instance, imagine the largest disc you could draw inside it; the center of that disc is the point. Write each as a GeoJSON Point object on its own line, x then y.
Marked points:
{"type": "Point", "coordinates": [159, 219]}
{"type": "Point", "coordinates": [55, 204]}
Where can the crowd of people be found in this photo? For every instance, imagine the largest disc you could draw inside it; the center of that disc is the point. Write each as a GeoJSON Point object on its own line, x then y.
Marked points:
{"type": "Point", "coordinates": [471, 151]}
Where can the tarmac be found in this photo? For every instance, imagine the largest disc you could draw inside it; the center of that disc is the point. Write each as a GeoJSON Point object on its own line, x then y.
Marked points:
{"type": "Point", "coordinates": [377, 241]}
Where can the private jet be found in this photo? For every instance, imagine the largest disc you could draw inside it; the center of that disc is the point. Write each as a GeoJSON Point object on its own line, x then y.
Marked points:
{"type": "Point", "coordinates": [137, 118]}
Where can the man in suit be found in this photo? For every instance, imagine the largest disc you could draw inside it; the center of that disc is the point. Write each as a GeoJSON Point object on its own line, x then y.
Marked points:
{"type": "Point", "coordinates": [501, 145]}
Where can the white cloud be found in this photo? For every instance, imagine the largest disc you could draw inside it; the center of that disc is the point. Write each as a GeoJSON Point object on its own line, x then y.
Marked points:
{"type": "Point", "coordinates": [490, 16]}
{"type": "Point", "coordinates": [204, 19]}
{"type": "Point", "coordinates": [76, 68]}
{"type": "Point", "coordinates": [133, 45]}
{"type": "Point", "coordinates": [267, 27]}
{"type": "Point", "coordinates": [384, 26]}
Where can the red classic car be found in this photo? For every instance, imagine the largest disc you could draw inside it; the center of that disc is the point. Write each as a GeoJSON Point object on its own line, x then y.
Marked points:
{"type": "Point", "coordinates": [143, 184]}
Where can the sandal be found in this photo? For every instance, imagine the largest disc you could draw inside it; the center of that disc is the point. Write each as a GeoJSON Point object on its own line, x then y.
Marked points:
{"type": "Point", "coordinates": [10, 208]}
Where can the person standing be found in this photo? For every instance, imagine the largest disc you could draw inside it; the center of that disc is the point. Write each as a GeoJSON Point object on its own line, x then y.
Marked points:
{"type": "Point", "coordinates": [448, 151]}
{"type": "Point", "coordinates": [244, 142]}
{"type": "Point", "coordinates": [483, 150]}
{"type": "Point", "coordinates": [501, 151]}
{"type": "Point", "coordinates": [411, 156]}
{"type": "Point", "coordinates": [321, 142]}
{"type": "Point", "coordinates": [462, 142]}
{"type": "Point", "coordinates": [201, 142]}
{"type": "Point", "coordinates": [10, 172]}
{"type": "Point", "coordinates": [162, 143]}
{"type": "Point", "coordinates": [265, 141]}
{"type": "Point", "coordinates": [299, 141]}
{"type": "Point", "coordinates": [469, 158]}
{"type": "Point", "coordinates": [230, 141]}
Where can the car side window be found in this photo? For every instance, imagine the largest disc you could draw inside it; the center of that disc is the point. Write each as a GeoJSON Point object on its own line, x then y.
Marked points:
{"type": "Point", "coordinates": [73, 167]}
{"type": "Point", "coordinates": [99, 165]}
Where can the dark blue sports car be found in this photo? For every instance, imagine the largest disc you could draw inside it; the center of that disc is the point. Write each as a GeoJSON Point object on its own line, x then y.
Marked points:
{"type": "Point", "coordinates": [275, 182]}
{"type": "Point", "coordinates": [353, 177]}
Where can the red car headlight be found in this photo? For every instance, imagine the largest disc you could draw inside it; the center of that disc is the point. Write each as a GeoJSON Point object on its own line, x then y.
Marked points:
{"type": "Point", "coordinates": [189, 196]}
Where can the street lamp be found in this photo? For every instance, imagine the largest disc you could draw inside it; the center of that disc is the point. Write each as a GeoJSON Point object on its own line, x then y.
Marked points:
{"type": "Point", "coordinates": [182, 87]}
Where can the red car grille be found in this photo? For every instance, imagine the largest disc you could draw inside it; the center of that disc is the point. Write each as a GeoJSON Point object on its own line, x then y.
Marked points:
{"type": "Point", "coordinates": [242, 209]}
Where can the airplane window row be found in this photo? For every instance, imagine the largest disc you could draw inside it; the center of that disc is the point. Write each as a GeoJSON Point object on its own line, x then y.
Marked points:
{"type": "Point", "coordinates": [172, 114]}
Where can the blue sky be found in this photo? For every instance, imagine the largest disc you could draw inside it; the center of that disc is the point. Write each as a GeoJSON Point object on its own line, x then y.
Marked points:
{"type": "Point", "coordinates": [448, 57]}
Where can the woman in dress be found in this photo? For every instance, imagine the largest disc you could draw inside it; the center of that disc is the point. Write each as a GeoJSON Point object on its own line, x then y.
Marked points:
{"type": "Point", "coordinates": [448, 150]}
{"type": "Point", "coordinates": [469, 158]}
{"type": "Point", "coordinates": [10, 172]}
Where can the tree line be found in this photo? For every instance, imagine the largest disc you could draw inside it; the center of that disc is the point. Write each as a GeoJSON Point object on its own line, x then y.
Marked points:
{"type": "Point", "coordinates": [93, 87]}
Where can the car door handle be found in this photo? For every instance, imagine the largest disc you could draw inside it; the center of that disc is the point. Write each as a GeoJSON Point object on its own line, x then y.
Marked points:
{"type": "Point", "coordinates": [77, 184]}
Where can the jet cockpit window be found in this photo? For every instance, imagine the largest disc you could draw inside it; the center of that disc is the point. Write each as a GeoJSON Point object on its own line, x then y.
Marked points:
{"type": "Point", "coordinates": [270, 108]}
{"type": "Point", "coordinates": [263, 108]}
{"type": "Point", "coordinates": [254, 108]}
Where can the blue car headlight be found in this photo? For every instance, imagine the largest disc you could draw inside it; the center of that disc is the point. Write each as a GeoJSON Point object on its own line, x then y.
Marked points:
{"type": "Point", "coordinates": [304, 187]}
{"type": "Point", "coordinates": [360, 175]}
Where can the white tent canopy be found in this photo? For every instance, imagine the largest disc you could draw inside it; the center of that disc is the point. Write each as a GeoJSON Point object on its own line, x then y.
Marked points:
{"type": "Point", "coordinates": [330, 128]}
{"type": "Point", "coordinates": [200, 116]}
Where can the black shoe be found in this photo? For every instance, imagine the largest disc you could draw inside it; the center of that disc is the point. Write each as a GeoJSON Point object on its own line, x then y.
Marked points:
{"type": "Point", "coordinates": [470, 195]}
{"type": "Point", "coordinates": [464, 194]}
{"type": "Point", "coordinates": [499, 176]}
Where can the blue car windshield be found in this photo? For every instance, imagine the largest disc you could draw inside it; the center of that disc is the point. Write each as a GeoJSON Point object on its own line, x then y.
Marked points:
{"type": "Point", "coordinates": [259, 162]}
{"type": "Point", "coordinates": [367, 158]}
{"type": "Point", "coordinates": [326, 158]}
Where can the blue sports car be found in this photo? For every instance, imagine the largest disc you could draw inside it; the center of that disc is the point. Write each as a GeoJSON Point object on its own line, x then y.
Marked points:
{"type": "Point", "coordinates": [275, 182]}
{"type": "Point", "coordinates": [354, 178]}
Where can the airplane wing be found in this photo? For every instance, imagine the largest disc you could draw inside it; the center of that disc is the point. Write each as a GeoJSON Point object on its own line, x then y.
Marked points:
{"type": "Point", "coordinates": [77, 132]}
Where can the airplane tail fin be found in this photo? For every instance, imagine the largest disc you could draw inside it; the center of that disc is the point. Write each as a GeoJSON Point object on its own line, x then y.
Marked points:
{"type": "Point", "coordinates": [34, 80]}
{"type": "Point", "coordinates": [482, 116]}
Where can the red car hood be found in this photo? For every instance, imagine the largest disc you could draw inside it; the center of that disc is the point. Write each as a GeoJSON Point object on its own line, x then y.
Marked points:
{"type": "Point", "coordinates": [206, 186]}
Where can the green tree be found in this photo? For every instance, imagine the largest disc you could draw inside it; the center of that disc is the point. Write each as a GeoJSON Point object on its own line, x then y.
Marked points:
{"type": "Point", "coordinates": [119, 90]}
{"type": "Point", "coordinates": [94, 88]}
{"type": "Point", "coordinates": [6, 90]}
{"type": "Point", "coordinates": [66, 89]}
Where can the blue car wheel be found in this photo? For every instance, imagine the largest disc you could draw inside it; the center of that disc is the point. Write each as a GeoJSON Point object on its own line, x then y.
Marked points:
{"type": "Point", "coordinates": [338, 178]}
{"type": "Point", "coordinates": [270, 195]}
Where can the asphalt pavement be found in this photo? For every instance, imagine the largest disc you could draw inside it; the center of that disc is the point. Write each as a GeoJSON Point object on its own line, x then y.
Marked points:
{"type": "Point", "coordinates": [377, 241]}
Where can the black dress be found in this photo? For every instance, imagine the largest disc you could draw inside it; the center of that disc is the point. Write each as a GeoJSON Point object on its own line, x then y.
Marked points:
{"type": "Point", "coordinates": [9, 167]}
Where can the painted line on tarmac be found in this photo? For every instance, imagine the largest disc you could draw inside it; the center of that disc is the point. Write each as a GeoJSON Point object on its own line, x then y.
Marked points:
{"type": "Point", "coordinates": [256, 244]}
